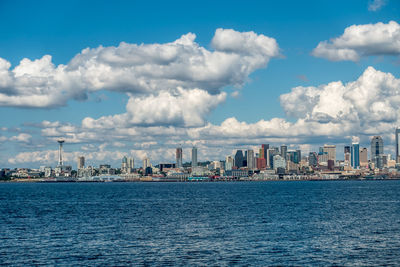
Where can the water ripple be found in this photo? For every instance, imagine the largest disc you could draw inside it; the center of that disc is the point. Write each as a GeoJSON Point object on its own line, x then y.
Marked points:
{"type": "Point", "coordinates": [223, 224]}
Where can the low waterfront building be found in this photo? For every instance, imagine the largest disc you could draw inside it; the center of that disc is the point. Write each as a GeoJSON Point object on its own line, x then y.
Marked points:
{"type": "Point", "coordinates": [238, 173]}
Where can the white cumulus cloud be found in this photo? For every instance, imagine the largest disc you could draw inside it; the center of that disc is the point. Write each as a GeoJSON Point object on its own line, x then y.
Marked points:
{"type": "Point", "coordinates": [145, 69]}
{"type": "Point", "coordinates": [362, 40]}
{"type": "Point", "coordinates": [373, 98]}
{"type": "Point", "coordinates": [185, 108]}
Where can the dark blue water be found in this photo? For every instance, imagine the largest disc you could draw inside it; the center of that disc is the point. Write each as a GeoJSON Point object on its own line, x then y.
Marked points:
{"type": "Point", "coordinates": [255, 223]}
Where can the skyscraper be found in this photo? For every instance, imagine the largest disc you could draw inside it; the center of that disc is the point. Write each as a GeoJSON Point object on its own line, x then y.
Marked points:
{"type": "Point", "coordinates": [60, 150]}
{"type": "Point", "coordinates": [279, 162]}
{"type": "Point", "coordinates": [347, 155]}
{"type": "Point", "coordinates": [239, 158]}
{"type": "Point", "coordinates": [229, 163]}
{"type": "Point", "coordinates": [131, 164]}
{"type": "Point", "coordinates": [146, 163]}
{"type": "Point", "coordinates": [298, 151]}
{"type": "Point", "coordinates": [179, 157]}
{"type": "Point", "coordinates": [250, 159]}
{"type": "Point", "coordinates": [355, 155]}
{"type": "Point", "coordinates": [293, 156]}
{"type": "Point", "coordinates": [397, 133]}
{"type": "Point", "coordinates": [261, 163]}
{"type": "Point", "coordinates": [377, 151]}
{"type": "Point", "coordinates": [261, 153]}
{"type": "Point", "coordinates": [364, 157]}
{"type": "Point", "coordinates": [331, 151]}
{"type": "Point", "coordinates": [313, 159]}
{"type": "Point", "coordinates": [284, 151]}
{"type": "Point", "coordinates": [81, 162]}
{"type": "Point", "coordinates": [376, 146]}
{"type": "Point", "coordinates": [124, 165]}
{"type": "Point", "coordinates": [264, 150]}
{"type": "Point", "coordinates": [271, 152]}
{"type": "Point", "coordinates": [194, 157]}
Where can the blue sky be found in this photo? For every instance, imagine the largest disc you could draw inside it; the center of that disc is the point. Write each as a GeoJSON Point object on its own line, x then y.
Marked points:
{"type": "Point", "coordinates": [63, 28]}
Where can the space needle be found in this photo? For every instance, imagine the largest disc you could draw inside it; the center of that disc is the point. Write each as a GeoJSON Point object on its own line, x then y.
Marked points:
{"type": "Point", "coordinates": [60, 159]}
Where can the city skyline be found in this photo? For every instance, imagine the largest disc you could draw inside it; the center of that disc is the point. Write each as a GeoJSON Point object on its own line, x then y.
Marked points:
{"type": "Point", "coordinates": [129, 87]}
{"type": "Point", "coordinates": [265, 163]}
{"type": "Point", "coordinates": [359, 156]}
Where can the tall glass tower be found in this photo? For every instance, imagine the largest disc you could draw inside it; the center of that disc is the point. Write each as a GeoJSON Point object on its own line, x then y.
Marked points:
{"type": "Point", "coordinates": [250, 159]}
{"type": "Point", "coordinates": [377, 151]}
{"type": "Point", "coordinates": [194, 157]}
{"type": "Point", "coordinates": [179, 157]}
{"type": "Point", "coordinates": [355, 155]}
{"type": "Point", "coordinates": [60, 150]}
{"type": "Point", "coordinates": [239, 158]}
{"type": "Point", "coordinates": [376, 146]}
{"type": "Point", "coordinates": [284, 151]}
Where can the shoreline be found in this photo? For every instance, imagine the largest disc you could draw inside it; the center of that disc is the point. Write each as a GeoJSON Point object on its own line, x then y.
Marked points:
{"type": "Point", "coordinates": [17, 181]}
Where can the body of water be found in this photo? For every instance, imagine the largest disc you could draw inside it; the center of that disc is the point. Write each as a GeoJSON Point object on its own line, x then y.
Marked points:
{"type": "Point", "coordinates": [227, 223]}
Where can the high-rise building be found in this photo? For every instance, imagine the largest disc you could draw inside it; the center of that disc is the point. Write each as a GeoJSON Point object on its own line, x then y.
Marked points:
{"type": "Point", "coordinates": [293, 156]}
{"type": "Point", "coordinates": [60, 150]}
{"type": "Point", "coordinates": [81, 162]}
{"type": "Point", "coordinates": [313, 159]}
{"type": "Point", "coordinates": [284, 152]}
{"type": "Point", "coordinates": [250, 159]}
{"type": "Point", "coordinates": [377, 151]}
{"type": "Point", "coordinates": [194, 157]}
{"type": "Point", "coordinates": [179, 157]}
{"type": "Point", "coordinates": [264, 151]}
{"type": "Point", "coordinates": [131, 164]}
{"type": "Point", "coordinates": [261, 153]}
{"type": "Point", "coordinates": [229, 163]}
{"type": "Point", "coordinates": [298, 151]}
{"type": "Point", "coordinates": [279, 162]}
{"type": "Point", "coordinates": [397, 133]}
{"type": "Point", "coordinates": [146, 163]}
{"type": "Point", "coordinates": [355, 155]}
{"type": "Point", "coordinates": [215, 165]}
{"type": "Point", "coordinates": [347, 155]}
{"type": "Point", "coordinates": [364, 157]}
{"type": "Point", "coordinates": [261, 163]}
{"type": "Point", "coordinates": [376, 146]}
{"type": "Point", "coordinates": [323, 159]}
{"type": "Point", "coordinates": [270, 157]}
{"type": "Point", "coordinates": [331, 151]}
{"type": "Point", "coordinates": [384, 159]}
{"type": "Point", "coordinates": [124, 165]}
{"type": "Point", "coordinates": [239, 158]}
